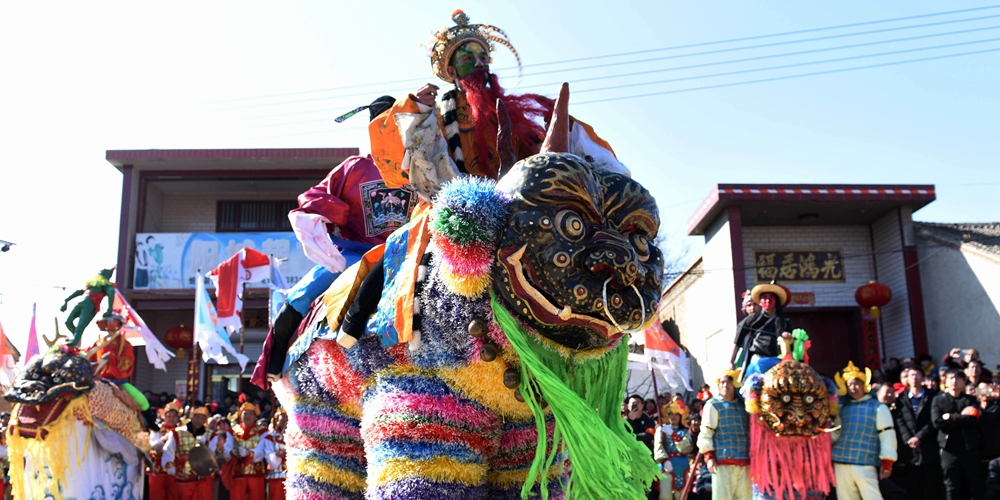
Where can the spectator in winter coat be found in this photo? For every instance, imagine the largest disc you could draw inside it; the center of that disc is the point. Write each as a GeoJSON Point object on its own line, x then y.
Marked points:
{"type": "Point", "coordinates": [956, 417]}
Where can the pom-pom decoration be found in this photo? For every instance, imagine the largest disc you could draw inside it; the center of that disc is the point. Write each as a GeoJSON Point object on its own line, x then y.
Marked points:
{"type": "Point", "coordinates": [468, 215]}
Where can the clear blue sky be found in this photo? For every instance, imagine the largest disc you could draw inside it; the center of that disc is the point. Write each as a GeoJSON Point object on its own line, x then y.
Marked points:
{"type": "Point", "coordinates": [83, 78]}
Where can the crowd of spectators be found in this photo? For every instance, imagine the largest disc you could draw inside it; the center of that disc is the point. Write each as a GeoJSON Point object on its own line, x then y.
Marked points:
{"type": "Point", "coordinates": [946, 417]}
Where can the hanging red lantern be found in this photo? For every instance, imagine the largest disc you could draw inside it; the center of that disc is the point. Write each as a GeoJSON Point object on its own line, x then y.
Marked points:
{"type": "Point", "coordinates": [180, 338]}
{"type": "Point", "coordinates": [873, 296]}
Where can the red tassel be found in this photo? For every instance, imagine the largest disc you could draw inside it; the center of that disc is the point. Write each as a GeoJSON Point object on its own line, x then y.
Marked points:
{"type": "Point", "coordinates": [793, 465]}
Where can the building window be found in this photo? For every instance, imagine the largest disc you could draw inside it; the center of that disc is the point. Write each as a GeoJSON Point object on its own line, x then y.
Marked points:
{"type": "Point", "coordinates": [240, 216]}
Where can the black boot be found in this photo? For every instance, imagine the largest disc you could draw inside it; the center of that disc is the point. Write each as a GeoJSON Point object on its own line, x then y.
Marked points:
{"type": "Point", "coordinates": [285, 324]}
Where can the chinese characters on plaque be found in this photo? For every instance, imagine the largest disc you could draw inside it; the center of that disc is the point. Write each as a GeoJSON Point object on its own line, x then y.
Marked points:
{"type": "Point", "coordinates": [799, 266]}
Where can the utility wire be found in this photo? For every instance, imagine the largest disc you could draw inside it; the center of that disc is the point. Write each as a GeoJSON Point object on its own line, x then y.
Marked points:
{"type": "Point", "coordinates": [770, 56]}
{"type": "Point", "coordinates": [793, 65]}
{"type": "Point", "coordinates": [608, 56]}
{"type": "Point", "coordinates": [641, 73]}
{"type": "Point", "coordinates": [788, 77]}
{"type": "Point", "coordinates": [655, 59]}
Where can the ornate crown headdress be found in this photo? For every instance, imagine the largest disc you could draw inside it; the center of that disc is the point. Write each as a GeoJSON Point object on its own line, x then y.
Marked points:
{"type": "Point", "coordinates": [443, 43]}
{"type": "Point", "coordinates": [850, 372]}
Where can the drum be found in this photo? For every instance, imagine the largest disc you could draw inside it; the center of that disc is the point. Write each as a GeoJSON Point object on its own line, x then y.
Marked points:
{"type": "Point", "coordinates": [202, 461]}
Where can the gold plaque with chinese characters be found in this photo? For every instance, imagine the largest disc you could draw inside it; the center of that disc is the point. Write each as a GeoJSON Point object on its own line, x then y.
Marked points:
{"type": "Point", "coordinates": [799, 266]}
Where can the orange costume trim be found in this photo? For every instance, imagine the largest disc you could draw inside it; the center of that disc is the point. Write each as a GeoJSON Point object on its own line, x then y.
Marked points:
{"type": "Point", "coordinates": [121, 359]}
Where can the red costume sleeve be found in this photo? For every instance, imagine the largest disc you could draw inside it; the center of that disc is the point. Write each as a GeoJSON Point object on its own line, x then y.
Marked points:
{"type": "Point", "coordinates": [319, 200]}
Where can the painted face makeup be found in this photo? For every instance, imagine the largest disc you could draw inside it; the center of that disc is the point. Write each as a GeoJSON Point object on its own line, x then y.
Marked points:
{"type": "Point", "coordinates": [469, 57]}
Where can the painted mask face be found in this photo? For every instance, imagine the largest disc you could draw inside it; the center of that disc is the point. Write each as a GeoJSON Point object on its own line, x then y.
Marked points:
{"type": "Point", "coordinates": [794, 400]}
{"type": "Point", "coordinates": [577, 256]}
{"type": "Point", "coordinates": [49, 376]}
{"type": "Point", "coordinates": [468, 57]}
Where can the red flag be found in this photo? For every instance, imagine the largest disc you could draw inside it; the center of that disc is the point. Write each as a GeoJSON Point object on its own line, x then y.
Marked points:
{"type": "Point", "coordinates": [247, 266]}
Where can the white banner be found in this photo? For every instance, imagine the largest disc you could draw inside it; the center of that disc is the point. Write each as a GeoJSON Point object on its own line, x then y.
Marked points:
{"type": "Point", "coordinates": [169, 261]}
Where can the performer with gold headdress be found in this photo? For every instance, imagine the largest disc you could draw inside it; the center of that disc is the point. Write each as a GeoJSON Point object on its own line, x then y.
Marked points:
{"type": "Point", "coordinates": [423, 142]}
{"type": "Point", "coordinates": [250, 450]}
{"type": "Point", "coordinates": [865, 447]}
{"type": "Point", "coordinates": [163, 468]}
{"type": "Point", "coordinates": [671, 446]}
{"type": "Point", "coordinates": [276, 460]}
{"type": "Point", "coordinates": [724, 440]}
{"type": "Point", "coordinates": [197, 427]}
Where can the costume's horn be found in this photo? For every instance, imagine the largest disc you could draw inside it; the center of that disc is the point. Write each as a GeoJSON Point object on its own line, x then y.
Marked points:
{"type": "Point", "coordinates": [505, 139]}
{"type": "Point", "coordinates": [557, 137]}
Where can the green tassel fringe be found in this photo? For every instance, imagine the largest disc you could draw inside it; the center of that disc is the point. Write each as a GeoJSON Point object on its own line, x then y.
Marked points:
{"type": "Point", "coordinates": [585, 397]}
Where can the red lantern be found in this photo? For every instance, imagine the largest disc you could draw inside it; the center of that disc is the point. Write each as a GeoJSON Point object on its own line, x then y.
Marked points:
{"type": "Point", "coordinates": [873, 296]}
{"type": "Point", "coordinates": [180, 338]}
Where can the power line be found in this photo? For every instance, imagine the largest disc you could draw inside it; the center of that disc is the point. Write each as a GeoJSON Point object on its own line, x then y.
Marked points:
{"type": "Point", "coordinates": [716, 75]}
{"type": "Point", "coordinates": [625, 75]}
{"type": "Point", "coordinates": [769, 56]}
{"type": "Point", "coordinates": [793, 65]}
{"type": "Point", "coordinates": [774, 44]}
{"type": "Point", "coordinates": [788, 77]}
{"type": "Point", "coordinates": [608, 56]}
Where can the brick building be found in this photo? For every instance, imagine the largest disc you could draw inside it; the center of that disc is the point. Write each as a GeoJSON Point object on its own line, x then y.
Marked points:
{"type": "Point", "coordinates": [820, 241]}
{"type": "Point", "coordinates": [188, 210]}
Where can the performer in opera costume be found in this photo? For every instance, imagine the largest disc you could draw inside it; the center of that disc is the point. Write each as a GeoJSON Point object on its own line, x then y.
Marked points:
{"type": "Point", "coordinates": [425, 142]}
{"type": "Point", "coordinates": [791, 408]}
{"type": "Point", "coordinates": [197, 427]}
{"type": "Point", "coordinates": [671, 447]}
{"type": "Point", "coordinates": [864, 449]}
{"type": "Point", "coordinates": [276, 460]}
{"type": "Point", "coordinates": [185, 483]}
{"type": "Point", "coordinates": [725, 442]}
{"type": "Point", "coordinates": [250, 450]}
{"type": "Point", "coordinates": [161, 472]}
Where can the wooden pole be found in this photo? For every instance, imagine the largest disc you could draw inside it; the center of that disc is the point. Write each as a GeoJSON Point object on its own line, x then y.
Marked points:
{"type": "Point", "coordinates": [692, 477]}
{"type": "Point", "coordinates": [239, 385]}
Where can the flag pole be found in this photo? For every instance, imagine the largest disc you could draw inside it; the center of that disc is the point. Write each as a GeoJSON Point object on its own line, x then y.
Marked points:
{"type": "Point", "coordinates": [656, 389]}
{"type": "Point", "coordinates": [242, 327]}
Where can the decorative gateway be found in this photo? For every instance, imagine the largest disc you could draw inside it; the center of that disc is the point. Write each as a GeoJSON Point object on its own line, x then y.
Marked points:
{"type": "Point", "coordinates": [500, 330]}
{"type": "Point", "coordinates": [789, 438]}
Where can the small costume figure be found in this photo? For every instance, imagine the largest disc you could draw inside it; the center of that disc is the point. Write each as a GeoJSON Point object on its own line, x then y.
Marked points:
{"type": "Point", "coordinates": [250, 449]}
{"type": "Point", "coordinates": [864, 448]}
{"type": "Point", "coordinates": [221, 444]}
{"type": "Point", "coordinates": [276, 460]}
{"type": "Point", "coordinates": [724, 440]}
{"type": "Point", "coordinates": [114, 358]}
{"type": "Point", "coordinates": [97, 289]}
{"type": "Point", "coordinates": [671, 447]}
{"type": "Point", "coordinates": [757, 334]}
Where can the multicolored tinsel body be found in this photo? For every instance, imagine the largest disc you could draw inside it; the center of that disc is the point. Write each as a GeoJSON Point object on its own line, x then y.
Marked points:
{"type": "Point", "coordinates": [379, 423]}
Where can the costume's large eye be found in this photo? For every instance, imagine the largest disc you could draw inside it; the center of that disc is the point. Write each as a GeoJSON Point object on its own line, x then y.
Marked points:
{"type": "Point", "coordinates": [571, 225]}
{"type": "Point", "coordinates": [809, 400]}
{"type": "Point", "coordinates": [641, 244]}
{"type": "Point", "coordinates": [786, 398]}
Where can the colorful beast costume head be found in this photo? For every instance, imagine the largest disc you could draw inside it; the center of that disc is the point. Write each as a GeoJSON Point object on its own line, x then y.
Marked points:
{"type": "Point", "coordinates": [791, 408]}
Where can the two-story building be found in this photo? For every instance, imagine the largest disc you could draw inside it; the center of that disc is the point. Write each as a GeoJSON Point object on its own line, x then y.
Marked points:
{"type": "Point", "coordinates": [188, 210]}
{"type": "Point", "coordinates": [822, 242]}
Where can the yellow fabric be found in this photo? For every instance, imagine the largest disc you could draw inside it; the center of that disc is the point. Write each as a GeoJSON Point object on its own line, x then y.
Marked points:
{"type": "Point", "coordinates": [435, 469]}
{"type": "Point", "coordinates": [516, 478]}
{"type": "Point", "coordinates": [340, 295]}
{"type": "Point", "coordinates": [419, 237]}
{"type": "Point", "coordinates": [54, 451]}
{"type": "Point", "coordinates": [328, 474]}
{"type": "Point", "coordinates": [483, 383]}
